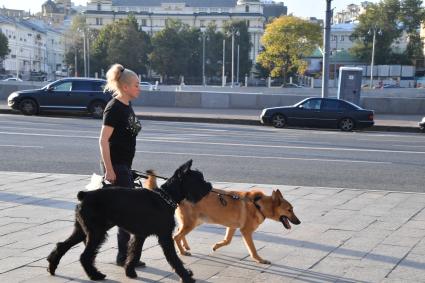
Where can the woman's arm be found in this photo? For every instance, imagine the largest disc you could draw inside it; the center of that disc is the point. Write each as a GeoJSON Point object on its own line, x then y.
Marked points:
{"type": "Point", "coordinates": [105, 152]}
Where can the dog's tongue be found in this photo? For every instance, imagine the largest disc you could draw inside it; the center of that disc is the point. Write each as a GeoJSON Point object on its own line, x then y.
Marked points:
{"type": "Point", "coordinates": [285, 222]}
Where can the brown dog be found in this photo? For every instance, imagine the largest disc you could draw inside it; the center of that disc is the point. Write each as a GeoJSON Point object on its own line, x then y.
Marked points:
{"type": "Point", "coordinates": [243, 210]}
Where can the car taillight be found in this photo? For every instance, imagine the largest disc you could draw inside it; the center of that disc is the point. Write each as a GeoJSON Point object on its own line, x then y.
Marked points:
{"type": "Point", "coordinates": [370, 117]}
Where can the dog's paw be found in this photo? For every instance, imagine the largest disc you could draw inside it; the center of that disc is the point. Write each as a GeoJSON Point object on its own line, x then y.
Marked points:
{"type": "Point", "coordinates": [264, 261]}
{"type": "Point", "coordinates": [97, 276]}
{"type": "Point", "coordinates": [130, 272]}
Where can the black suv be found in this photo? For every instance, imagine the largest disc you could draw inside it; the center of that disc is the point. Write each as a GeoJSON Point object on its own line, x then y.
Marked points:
{"type": "Point", "coordinates": [69, 94]}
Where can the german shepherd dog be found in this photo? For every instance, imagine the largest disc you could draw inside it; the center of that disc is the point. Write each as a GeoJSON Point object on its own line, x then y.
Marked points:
{"type": "Point", "coordinates": [235, 210]}
{"type": "Point", "coordinates": [140, 212]}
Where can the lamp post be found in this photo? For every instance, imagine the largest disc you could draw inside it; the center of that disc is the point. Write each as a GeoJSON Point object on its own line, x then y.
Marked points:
{"type": "Point", "coordinates": [372, 61]}
{"type": "Point", "coordinates": [326, 43]}
{"type": "Point", "coordinates": [233, 31]}
{"type": "Point", "coordinates": [237, 68]}
{"type": "Point", "coordinates": [203, 35]}
{"type": "Point", "coordinates": [223, 81]}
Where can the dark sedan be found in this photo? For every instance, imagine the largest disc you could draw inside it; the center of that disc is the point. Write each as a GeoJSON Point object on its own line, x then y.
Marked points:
{"type": "Point", "coordinates": [319, 112]}
{"type": "Point", "coordinates": [69, 94]}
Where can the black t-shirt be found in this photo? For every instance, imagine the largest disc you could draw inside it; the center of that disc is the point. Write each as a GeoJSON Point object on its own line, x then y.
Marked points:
{"type": "Point", "coordinates": [126, 126]}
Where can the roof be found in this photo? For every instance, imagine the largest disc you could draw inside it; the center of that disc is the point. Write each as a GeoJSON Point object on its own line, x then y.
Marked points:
{"type": "Point", "coordinates": [350, 27]}
{"type": "Point", "coordinates": [189, 3]}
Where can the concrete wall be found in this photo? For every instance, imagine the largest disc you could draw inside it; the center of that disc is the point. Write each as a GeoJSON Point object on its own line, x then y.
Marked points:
{"type": "Point", "coordinates": [381, 104]}
{"type": "Point", "coordinates": [391, 101]}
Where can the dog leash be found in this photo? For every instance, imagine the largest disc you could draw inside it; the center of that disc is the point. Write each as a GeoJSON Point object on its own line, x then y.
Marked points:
{"type": "Point", "coordinates": [146, 174]}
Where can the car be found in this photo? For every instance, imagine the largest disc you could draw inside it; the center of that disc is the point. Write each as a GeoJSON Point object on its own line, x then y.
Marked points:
{"type": "Point", "coordinates": [390, 86]}
{"type": "Point", "coordinates": [67, 94]}
{"type": "Point", "coordinates": [12, 80]}
{"type": "Point", "coordinates": [148, 86]}
{"type": "Point", "coordinates": [319, 112]}
{"type": "Point", "coordinates": [291, 85]}
{"type": "Point", "coordinates": [422, 125]}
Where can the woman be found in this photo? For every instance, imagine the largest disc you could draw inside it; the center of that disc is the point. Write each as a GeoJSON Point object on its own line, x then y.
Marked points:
{"type": "Point", "coordinates": [118, 137]}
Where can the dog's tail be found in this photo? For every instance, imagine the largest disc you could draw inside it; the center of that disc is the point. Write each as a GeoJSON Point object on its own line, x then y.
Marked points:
{"type": "Point", "coordinates": [81, 195]}
{"type": "Point", "coordinates": [151, 182]}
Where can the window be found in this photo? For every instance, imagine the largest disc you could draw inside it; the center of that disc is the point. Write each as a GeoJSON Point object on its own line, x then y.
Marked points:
{"type": "Point", "coordinates": [99, 21]}
{"type": "Point", "coordinates": [312, 104]}
{"type": "Point", "coordinates": [83, 85]}
{"type": "Point", "coordinates": [144, 22]}
{"type": "Point", "coordinates": [99, 6]}
{"type": "Point", "coordinates": [65, 86]}
{"type": "Point", "coordinates": [99, 86]}
{"type": "Point", "coordinates": [202, 23]}
{"type": "Point", "coordinates": [247, 9]}
{"type": "Point", "coordinates": [342, 38]}
{"type": "Point", "coordinates": [330, 105]}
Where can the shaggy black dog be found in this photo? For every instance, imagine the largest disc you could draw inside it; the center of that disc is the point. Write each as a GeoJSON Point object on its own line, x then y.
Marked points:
{"type": "Point", "coordinates": [140, 212]}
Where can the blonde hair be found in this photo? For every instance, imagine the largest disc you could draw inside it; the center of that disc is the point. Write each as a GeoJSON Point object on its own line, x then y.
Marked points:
{"type": "Point", "coordinates": [116, 76]}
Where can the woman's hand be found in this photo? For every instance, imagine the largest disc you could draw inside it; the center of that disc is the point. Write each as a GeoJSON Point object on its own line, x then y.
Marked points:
{"type": "Point", "coordinates": [110, 176]}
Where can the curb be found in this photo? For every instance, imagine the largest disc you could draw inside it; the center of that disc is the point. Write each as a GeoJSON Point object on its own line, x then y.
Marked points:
{"type": "Point", "coordinates": [236, 121]}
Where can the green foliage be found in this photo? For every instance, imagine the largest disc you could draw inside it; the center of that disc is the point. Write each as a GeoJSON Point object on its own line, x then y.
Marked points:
{"type": "Point", "coordinates": [287, 40]}
{"type": "Point", "coordinates": [389, 18]}
{"type": "Point", "coordinates": [4, 45]}
{"type": "Point", "coordinates": [241, 39]}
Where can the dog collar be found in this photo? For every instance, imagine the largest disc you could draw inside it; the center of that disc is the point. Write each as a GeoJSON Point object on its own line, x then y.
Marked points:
{"type": "Point", "coordinates": [166, 197]}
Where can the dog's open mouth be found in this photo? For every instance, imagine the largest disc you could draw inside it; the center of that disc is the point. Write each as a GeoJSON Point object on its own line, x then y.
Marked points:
{"type": "Point", "coordinates": [285, 222]}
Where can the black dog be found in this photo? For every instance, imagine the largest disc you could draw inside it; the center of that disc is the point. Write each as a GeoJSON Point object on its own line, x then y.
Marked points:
{"type": "Point", "coordinates": [140, 212]}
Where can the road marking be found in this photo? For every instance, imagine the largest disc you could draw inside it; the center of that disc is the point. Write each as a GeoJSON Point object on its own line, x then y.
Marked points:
{"type": "Point", "coordinates": [287, 146]}
{"type": "Point", "coordinates": [23, 146]}
{"type": "Point", "coordinates": [229, 144]}
{"type": "Point", "coordinates": [263, 157]}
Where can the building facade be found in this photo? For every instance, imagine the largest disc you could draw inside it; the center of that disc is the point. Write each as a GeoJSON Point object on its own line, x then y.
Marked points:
{"type": "Point", "coordinates": [351, 13]}
{"type": "Point", "coordinates": [152, 15]}
{"type": "Point", "coordinates": [34, 48]}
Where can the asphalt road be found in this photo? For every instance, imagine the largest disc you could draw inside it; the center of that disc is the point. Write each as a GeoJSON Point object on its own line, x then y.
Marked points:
{"type": "Point", "coordinates": [228, 153]}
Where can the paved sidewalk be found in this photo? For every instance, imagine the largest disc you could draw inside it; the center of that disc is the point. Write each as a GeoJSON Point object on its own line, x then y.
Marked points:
{"type": "Point", "coordinates": [383, 122]}
{"type": "Point", "coordinates": [345, 236]}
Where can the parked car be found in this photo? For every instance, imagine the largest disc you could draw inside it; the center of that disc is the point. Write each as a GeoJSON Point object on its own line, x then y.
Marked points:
{"type": "Point", "coordinates": [148, 86]}
{"type": "Point", "coordinates": [292, 85]}
{"type": "Point", "coordinates": [422, 125]}
{"type": "Point", "coordinates": [69, 94]}
{"type": "Point", "coordinates": [12, 80]}
{"type": "Point", "coordinates": [319, 112]}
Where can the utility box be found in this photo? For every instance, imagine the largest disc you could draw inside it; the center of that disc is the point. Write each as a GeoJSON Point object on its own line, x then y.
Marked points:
{"type": "Point", "coordinates": [350, 84]}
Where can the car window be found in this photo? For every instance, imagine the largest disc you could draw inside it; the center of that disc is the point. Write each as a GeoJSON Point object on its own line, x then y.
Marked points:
{"type": "Point", "coordinates": [330, 105]}
{"type": "Point", "coordinates": [99, 86]}
{"type": "Point", "coordinates": [346, 106]}
{"type": "Point", "coordinates": [82, 85]}
{"type": "Point", "coordinates": [311, 104]}
{"type": "Point", "coordinates": [65, 86]}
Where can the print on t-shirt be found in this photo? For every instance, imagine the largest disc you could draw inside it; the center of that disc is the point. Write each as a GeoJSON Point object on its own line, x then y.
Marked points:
{"type": "Point", "coordinates": [133, 125]}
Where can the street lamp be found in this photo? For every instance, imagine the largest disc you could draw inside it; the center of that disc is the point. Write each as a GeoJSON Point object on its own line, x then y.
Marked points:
{"type": "Point", "coordinates": [233, 31]}
{"type": "Point", "coordinates": [372, 61]}
{"type": "Point", "coordinates": [203, 35]}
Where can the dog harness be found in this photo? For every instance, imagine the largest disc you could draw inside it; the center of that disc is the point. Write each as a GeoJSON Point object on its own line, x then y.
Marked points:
{"type": "Point", "coordinates": [223, 202]}
{"type": "Point", "coordinates": [166, 197]}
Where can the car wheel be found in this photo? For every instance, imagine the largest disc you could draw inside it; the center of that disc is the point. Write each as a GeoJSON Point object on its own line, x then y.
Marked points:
{"type": "Point", "coordinates": [96, 109]}
{"type": "Point", "coordinates": [346, 124]}
{"type": "Point", "coordinates": [278, 121]}
{"type": "Point", "coordinates": [28, 107]}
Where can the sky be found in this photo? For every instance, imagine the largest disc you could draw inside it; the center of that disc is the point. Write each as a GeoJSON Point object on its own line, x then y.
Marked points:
{"type": "Point", "coordinates": [300, 8]}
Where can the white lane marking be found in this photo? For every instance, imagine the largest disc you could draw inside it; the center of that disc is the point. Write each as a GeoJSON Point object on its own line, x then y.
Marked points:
{"type": "Point", "coordinates": [229, 144]}
{"type": "Point", "coordinates": [288, 147]}
{"type": "Point", "coordinates": [48, 135]}
{"type": "Point", "coordinates": [45, 129]}
{"type": "Point", "coordinates": [263, 157]}
{"type": "Point", "coordinates": [21, 146]}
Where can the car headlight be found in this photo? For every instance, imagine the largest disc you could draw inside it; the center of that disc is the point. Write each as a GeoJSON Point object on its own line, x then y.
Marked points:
{"type": "Point", "coordinates": [12, 96]}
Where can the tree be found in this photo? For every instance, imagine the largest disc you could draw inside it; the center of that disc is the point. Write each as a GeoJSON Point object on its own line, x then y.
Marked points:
{"type": "Point", "coordinates": [411, 15]}
{"type": "Point", "coordinates": [171, 55]}
{"type": "Point", "coordinates": [389, 19]}
{"type": "Point", "coordinates": [286, 41]}
{"type": "Point", "coordinates": [74, 44]}
{"type": "Point", "coordinates": [243, 40]}
{"type": "Point", "coordinates": [4, 45]}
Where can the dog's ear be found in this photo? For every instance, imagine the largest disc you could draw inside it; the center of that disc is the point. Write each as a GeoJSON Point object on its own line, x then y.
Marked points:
{"type": "Point", "coordinates": [277, 197]}
{"type": "Point", "coordinates": [186, 166]}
